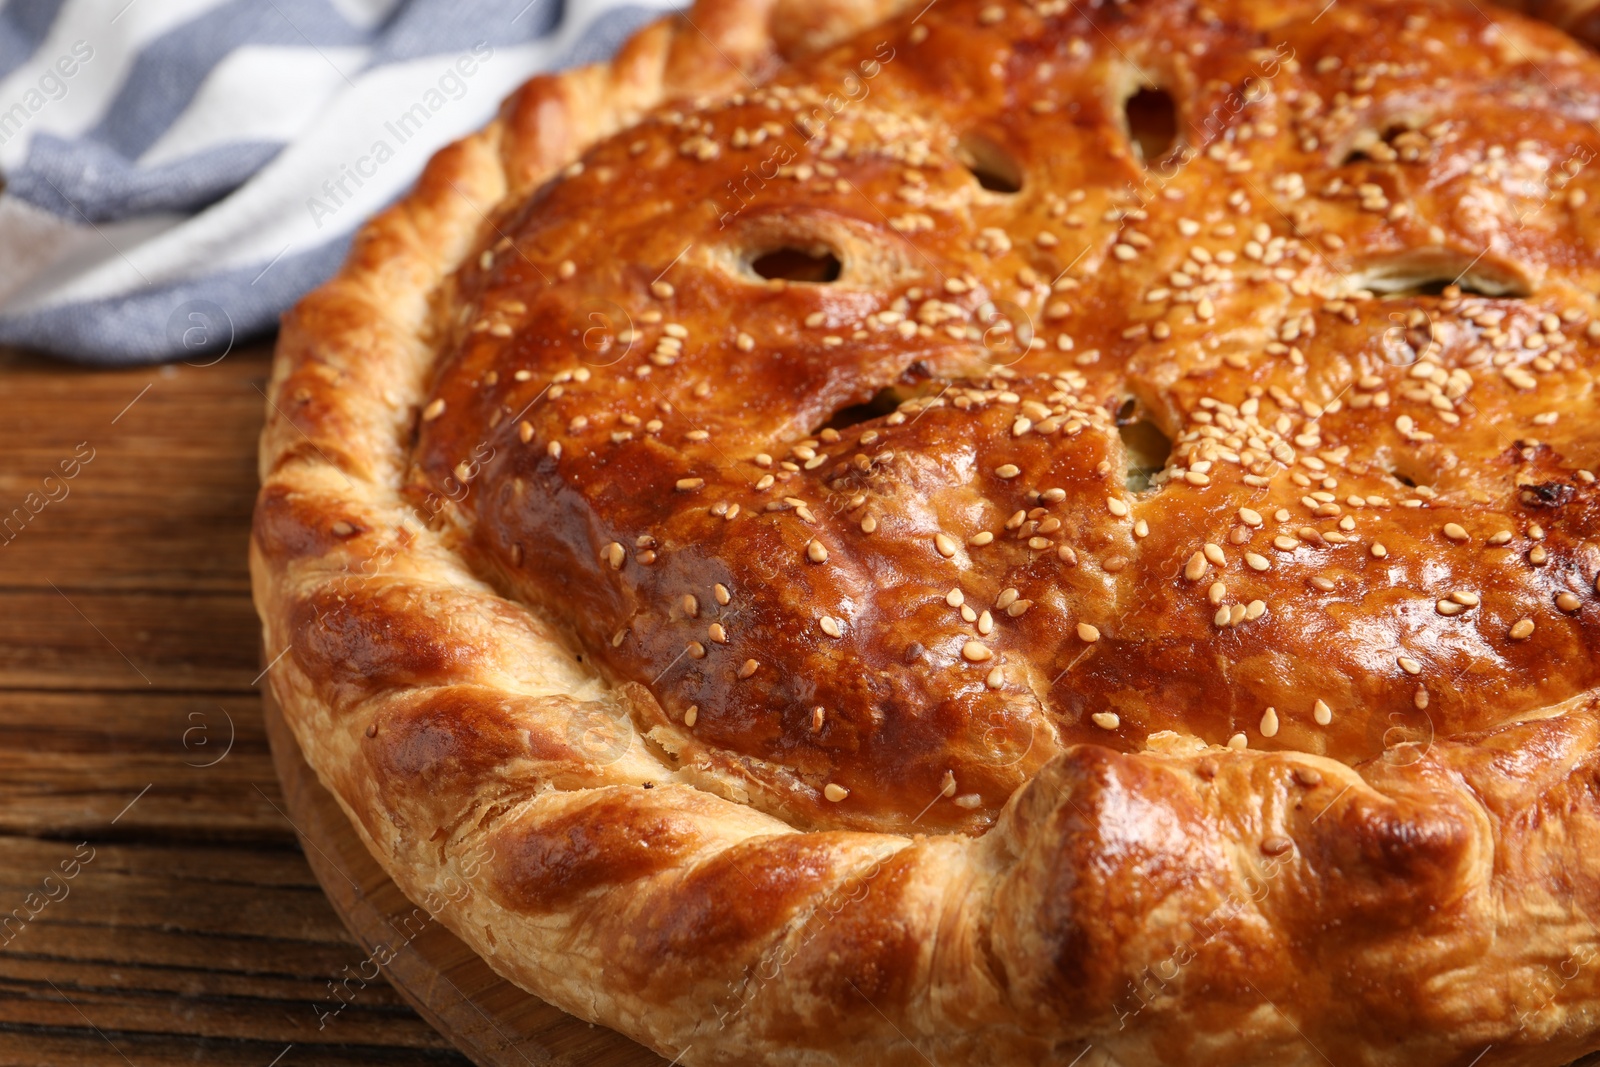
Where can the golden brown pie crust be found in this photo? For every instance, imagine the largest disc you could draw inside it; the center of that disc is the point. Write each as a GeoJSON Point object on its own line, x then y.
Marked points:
{"type": "Point", "coordinates": [807, 670]}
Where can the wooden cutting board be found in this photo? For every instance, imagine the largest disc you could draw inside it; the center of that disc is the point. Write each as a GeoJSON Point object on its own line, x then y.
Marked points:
{"type": "Point", "coordinates": [494, 1022]}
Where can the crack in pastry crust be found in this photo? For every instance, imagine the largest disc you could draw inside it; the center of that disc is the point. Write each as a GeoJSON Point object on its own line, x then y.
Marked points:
{"type": "Point", "coordinates": [745, 458]}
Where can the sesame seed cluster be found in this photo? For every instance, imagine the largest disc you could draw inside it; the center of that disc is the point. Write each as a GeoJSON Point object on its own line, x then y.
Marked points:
{"type": "Point", "coordinates": [1018, 376]}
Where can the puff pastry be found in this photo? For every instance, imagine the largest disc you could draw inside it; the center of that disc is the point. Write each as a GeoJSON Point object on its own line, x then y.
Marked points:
{"type": "Point", "coordinates": [981, 533]}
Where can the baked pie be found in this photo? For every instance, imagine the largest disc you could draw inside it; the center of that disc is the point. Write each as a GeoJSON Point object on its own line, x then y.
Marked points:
{"type": "Point", "coordinates": [981, 533]}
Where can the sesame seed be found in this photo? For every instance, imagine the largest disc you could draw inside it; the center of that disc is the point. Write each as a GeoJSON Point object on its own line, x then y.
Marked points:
{"type": "Point", "coordinates": [722, 594]}
{"type": "Point", "coordinates": [1269, 723]}
{"type": "Point", "coordinates": [976, 652]}
{"type": "Point", "coordinates": [868, 524]}
{"type": "Point", "coordinates": [692, 715]}
{"type": "Point", "coordinates": [1409, 665]}
{"type": "Point", "coordinates": [1214, 554]}
{"type": "Point", "coordinates": [986, 624]}
{"type": "Point", "coordinates": [818, 715]}
{"type": "Point", "coordinates": [689, 485]}
{"type": "Point", "coordinates": [1567, 602]}
{"type": "Point", "coordinates": [1088, 634]}
{"type": "Point", "coordinates": [661, 290]}
{"type": "Point", "coordinates": [696, 650]}
{"type": "Point", "coordinates": [1256, 561]}
{"type": "Point", "coordinates": [981, 538]}
{"type": "Point", "coordinates": [1249, 517]}
{"type": "Point", "coordinates": [1321, 713]}
{"type": "Point", "coordinates": [1522, 629]}
{"type": "Point", "coordinates": [1454, 531]}
{"type": "Point", "coordinates": [816, 552]}
{"type": "Point", "coordinates": [1007, 471]}
{"type": "Point", "coordinates": [945, 546]}
{"type": "Point", "coordinates": [996, 678]}
{"type": "Point", "coordinates": [1195, 569]}
{"type": "Point", "coordinates": [835, 792]}
{"type": "Point", "coordinates": [614, 554]}
{"type": "Point", "coordinates": [1378, 550]}
{"type": "Point", "coordinates": [1106, 720]}
{"type": "Point", "coordinates": [1216, 593]}
{"type": "Point", "coordinates": [1255, 609]}
{"type": "Point", "coordinates": [691, 605]}
{"type": "Point", "coordinates": [830, 626]}
{"type": "Point", "coordinates": [1116, 507]}
{"type": "Point", "coordinates": [717, 633]}
{"type": "Point", "coordinates": [1276, 845]}
{"type": "Point", "coordinates": [748, 668]}
{"type": "Point", "coordinates": [1238, 742]}
{"type": "Point", "coordinates": [955, 598]}
{"type": "Point", "coordinates": [434, 409]}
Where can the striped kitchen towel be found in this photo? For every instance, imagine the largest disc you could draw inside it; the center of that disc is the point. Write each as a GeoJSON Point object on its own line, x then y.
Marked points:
{"type": "Point", "coordinates": [178, 172]}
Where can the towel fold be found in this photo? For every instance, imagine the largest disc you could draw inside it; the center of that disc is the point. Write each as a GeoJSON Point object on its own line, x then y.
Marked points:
{"type": "Point", "coordinates": [178, 172]}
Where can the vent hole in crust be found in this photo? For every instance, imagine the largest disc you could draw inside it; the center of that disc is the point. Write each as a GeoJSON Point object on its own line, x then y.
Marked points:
{"type": "Point", "coordinates": [1400, 141]}
{"type": "Point", "coordinates": [996, 169]}
{"type": "Point", "coordinates": [883, 403]}
{"type": "Point", "coordinates": [1152, 118]}
{"type": "Point", "coordinates": [812, 266]}
{"type": "Point", "coordinates": [1430, 273]}
{"type": "Point", "coordinates": [1146, 447]}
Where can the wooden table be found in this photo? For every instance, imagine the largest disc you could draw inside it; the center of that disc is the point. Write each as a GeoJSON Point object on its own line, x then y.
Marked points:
{"type": "Point", "coordinates": [196, 932]}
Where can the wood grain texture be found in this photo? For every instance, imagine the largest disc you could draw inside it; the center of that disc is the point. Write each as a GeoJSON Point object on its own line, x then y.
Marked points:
{"type": "Point", "coordinates": [165, 502]}
{"type": "Point", "coordinates": [130, 726]}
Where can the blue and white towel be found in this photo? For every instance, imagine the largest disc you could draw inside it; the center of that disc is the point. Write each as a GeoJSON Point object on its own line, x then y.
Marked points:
{"type": "Point", "coordinates": [178, 172]}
